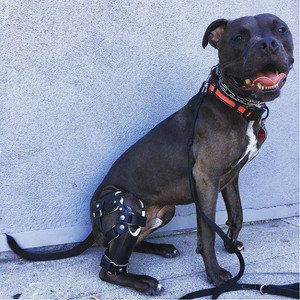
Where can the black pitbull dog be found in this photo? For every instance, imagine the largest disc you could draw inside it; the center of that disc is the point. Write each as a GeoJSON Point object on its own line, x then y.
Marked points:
{"type": "Point", "coordinates": [142, 188]}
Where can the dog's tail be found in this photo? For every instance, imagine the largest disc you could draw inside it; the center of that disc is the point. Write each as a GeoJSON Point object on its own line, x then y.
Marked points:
{"type": "Point", "coordinates": [78, 249]}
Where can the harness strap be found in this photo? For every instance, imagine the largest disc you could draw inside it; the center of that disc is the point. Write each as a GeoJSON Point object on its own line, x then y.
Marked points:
{"type": "Point", "coordinates": [110, 266]}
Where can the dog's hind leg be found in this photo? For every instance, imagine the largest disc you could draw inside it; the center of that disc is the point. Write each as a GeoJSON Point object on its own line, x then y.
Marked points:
{"type": "Point", "coordinates": [156, 217]}
{"type": "Point", "coordinates": [233, 204]}
{"type": "Point", "coordinates": [121, 216]}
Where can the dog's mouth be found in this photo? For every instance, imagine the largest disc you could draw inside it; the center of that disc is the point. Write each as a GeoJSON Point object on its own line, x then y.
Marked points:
{"type": "Point", "coordinates": [268, 79]}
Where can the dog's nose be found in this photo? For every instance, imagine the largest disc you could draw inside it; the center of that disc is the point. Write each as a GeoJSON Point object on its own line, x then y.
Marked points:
{"type": "Point", "coordinates": [268, 44]}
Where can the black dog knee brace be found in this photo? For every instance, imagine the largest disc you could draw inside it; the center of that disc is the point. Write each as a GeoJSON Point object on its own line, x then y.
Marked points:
{"type": "Point", "coordinates": [120, 237]}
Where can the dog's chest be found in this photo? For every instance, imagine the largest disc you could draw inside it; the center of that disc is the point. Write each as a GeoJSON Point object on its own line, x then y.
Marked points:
{"type": "Point", "coordinates": [252, 147]}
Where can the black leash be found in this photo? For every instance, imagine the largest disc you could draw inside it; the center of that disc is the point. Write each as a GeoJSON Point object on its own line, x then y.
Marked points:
{"type": "Point", "coordinates": [291, 290]}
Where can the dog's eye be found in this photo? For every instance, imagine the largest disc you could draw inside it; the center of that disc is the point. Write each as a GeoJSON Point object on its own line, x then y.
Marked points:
{"type": "Point", "coordinates": [238, 38]}
{"type": "Point", "coordinates": [281, 29]}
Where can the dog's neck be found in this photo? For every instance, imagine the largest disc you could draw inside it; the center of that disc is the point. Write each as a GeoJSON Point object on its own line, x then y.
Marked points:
{"type": "Point", "coordinates": [216, 76]}
{"type": "Point", "coordinates": [248, 108]}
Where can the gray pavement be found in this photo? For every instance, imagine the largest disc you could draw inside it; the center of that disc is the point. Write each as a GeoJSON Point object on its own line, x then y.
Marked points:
{"type": "Point", "coordinates": [271, 255]}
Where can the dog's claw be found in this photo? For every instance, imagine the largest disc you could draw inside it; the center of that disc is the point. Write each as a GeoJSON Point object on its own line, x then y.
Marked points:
{"type": "Point", "coordinates": [238, 244]}
{"type": "Point", "coordinates": [174, 253]}
{"type": "Point", "coordinates": [166, 250]}
{"type": "Point", "coordinates": [241, 248]}
{"type": "Point", "coordinates": [220, 277]}
{"type": "Point", "coordinates": [160, 287]}
{"type": "Point", "coordinates": [158, 290]}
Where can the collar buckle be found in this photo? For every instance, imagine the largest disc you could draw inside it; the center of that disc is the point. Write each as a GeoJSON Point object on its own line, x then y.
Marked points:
{"type": "Point", "coordinates": [256, 113]}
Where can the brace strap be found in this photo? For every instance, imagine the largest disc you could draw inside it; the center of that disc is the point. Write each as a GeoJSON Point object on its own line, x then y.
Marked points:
{"type": "Point", "coordinates": [110, 266]}
{"type": "Point", "coordinates": [125, 219]}
{"type": "Point", "coordinates": [112, 202]}
{"type": "Point", "coordinates": [104, 206]}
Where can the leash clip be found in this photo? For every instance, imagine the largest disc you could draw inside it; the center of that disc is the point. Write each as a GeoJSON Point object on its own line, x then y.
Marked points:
{"type": "Point", "coordinates": [204, 88]}
{"type": "Point", "coordinates": [205, 85]}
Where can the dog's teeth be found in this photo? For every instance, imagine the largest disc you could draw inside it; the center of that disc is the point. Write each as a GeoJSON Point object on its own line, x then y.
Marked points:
{"type": "Point", "coordinates": [262, 87]}
{"type": "Point", "coordinates": [259, 85]}
{"type": "Point", "coordinates": [276, 72]}
{"type": "Point", "coordinates": [248, 81]}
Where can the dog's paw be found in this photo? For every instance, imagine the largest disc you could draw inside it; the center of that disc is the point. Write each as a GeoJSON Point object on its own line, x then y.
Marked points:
{"type": "Point", "coordinates": [219, 277]}
{"type": "Point", "coordinates": [141, 283]}
{"type": "Point", "coordinates": [147, 285]}
{"type": "Point", "coordinates": [166, 250]}
{"type": "Point", "coordinates": [238, 244]}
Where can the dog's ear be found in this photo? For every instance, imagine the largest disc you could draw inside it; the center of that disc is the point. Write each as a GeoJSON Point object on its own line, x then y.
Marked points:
{"type": "Point", "coordinates": [213, 33]}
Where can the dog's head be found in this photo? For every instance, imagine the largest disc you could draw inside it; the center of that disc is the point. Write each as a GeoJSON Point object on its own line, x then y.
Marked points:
{"type": "Point", "coordinates": [255, 54]}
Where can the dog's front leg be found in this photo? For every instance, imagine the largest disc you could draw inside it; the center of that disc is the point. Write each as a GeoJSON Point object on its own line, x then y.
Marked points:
{"type": "Point", "coordinates": [207, 188]}
{"type": "Point", "coordinates": [233, 204]}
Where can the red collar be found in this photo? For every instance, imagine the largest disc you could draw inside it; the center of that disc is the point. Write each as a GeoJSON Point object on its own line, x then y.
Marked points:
{"type": "Point", "coordinates": [249, 113]}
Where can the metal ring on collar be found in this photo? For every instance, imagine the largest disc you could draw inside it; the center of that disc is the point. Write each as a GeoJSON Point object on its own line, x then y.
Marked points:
{"type": "Point", "coordinates": [268, 111]}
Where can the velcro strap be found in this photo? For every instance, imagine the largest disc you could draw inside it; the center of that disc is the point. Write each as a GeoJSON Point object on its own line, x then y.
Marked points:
{"type": "Point", "coordinates": [110, 266]}
{"type": "Point", "coordinates": [116, 231]}
{"type": "Point", "coordinates": [97, 220]}
{"type": "Point", "coordinates": [104, 206]}
{"type": "Point", "coordinates": [97, 213]}
{"type": "Point", "coordinates": [110, 203]}
{"type": "Point", "coordinates": [132, 218]}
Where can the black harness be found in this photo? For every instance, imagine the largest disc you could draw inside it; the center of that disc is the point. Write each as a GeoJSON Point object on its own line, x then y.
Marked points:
{"type": "Point", "coordinates": [290, 290]}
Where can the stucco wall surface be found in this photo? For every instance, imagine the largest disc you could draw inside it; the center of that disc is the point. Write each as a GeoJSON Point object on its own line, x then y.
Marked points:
{"type": "Point", "coordinates": [81, 81]}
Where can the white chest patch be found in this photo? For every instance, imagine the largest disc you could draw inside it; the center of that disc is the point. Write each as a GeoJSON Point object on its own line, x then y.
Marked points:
{"type": "Point", "coordinates": [252, 148]}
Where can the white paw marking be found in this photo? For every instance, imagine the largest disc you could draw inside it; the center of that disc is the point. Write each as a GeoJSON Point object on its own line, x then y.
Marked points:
{"type": "Point", "coordinates": [159, 287]}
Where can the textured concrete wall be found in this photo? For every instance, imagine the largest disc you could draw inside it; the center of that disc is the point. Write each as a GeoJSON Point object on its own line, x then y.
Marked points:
{"type": "Point", "coordinates": [80, 81]}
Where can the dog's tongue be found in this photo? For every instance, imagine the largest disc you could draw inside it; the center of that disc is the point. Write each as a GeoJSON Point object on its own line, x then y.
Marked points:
{"type": "Point", "coordinates": [267, 77]}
